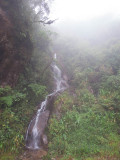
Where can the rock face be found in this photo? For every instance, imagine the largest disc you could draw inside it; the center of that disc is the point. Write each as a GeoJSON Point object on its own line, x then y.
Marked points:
{"type": "Point", "coordinates": [41, 125]}
{"type": "Point", "coordinates": [15, 50]}
{"type": "Point", "coordinates": [44, 139]}
{"type": "Point", "coordinates": [42, 122]}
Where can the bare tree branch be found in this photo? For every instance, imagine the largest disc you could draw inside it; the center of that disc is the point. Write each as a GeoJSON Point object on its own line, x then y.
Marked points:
{"type": "Point", "coordinates": [47, 22]}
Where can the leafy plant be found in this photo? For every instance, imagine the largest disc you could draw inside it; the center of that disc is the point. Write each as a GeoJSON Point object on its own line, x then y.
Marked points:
{"type": "Point", "coordinates": [9, 96]}
{"type": "Point", "coordinates": [37, 89]}
{"type": "Point", "coordinates": [82, 134]}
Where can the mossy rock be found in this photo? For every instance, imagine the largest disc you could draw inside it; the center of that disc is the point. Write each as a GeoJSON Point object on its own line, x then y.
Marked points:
{"type": "Point", "coordinates": [7, 156]}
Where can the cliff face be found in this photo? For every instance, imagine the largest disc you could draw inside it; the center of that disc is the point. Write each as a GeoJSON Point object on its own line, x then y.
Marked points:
{"type": "Point", "coordinates": [15, 46]}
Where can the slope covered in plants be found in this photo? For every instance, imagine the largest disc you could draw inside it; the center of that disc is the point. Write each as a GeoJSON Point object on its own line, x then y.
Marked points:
{"type": "Point", "coordinates": [87, 126]}
{"type": "Point", "coordinates": [25, 75]}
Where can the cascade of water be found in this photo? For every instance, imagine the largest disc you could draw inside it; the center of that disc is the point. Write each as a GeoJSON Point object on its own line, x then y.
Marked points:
{"type": "Point", "coordinates": [55, 57]}
{"type": "Point", "coordinates": [35, 128]}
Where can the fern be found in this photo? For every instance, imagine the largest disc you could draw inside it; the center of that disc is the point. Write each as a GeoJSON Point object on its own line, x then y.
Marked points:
{"type": "Point", "coordinates": [37, 89]}
{"type": "Point", "coordinates": [5, 90]}
{"type": "Point", "coordinates": [8, 100]}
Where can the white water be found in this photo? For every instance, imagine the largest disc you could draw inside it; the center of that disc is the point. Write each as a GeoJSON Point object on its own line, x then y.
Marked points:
{"type": "Point", "coordinates": [33, 141]}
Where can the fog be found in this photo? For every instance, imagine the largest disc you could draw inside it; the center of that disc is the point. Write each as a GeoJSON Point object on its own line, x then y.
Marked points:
{"type": "Point", "coordinates": [83, 9]}
{"type": "Point", "coordinates": [94, 21]}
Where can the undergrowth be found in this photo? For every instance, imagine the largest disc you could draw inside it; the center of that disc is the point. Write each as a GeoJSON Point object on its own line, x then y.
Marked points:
{"type": "Point", "coordinates": [17, 108]}
{"type": "Point", "coordinates": [85, 129]}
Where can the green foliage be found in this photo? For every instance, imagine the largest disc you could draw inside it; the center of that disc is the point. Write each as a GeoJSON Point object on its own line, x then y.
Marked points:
{"type": "Point", "coordinates": [16, 111]}
{"type": "Point", "coordinates": [112, 83]}
{"type": "Point", "coordinates": [6, 100]}
{"type": "Point", "coordinates": [17, 105]}
{"type": "Point", "coordinates": [87, 126]}
{"type": "Point", "coordinates": [112, 55]}
{"type": "Point", "coordinates": [7, 156]}
{"type": "Point", "coordinates": [65, 101]}
{"type": "Point", "coordinates": [13, 125]}
{"type": "Point", "coordinates": [38, 90]}
{"type": "Point", "coordinates": [9, 96]}
{"type": "Point", "coordinates": [10, 134]}
{"type": "Point", "coordinates": [4, 90]}
{"type": "Point", "coordinates": [83, 130]}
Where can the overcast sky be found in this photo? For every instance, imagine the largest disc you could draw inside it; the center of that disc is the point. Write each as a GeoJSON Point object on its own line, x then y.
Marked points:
{"type": "Point", "coordinates": [84, 9]}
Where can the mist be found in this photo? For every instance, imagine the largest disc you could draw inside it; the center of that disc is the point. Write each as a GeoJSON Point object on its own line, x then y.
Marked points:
{"type": "Point", "coordinates": [97, 31]}
{"type": "Point", "coordinates": [93, 21]}
{"type": "Point", "coordinates": [60, 79]}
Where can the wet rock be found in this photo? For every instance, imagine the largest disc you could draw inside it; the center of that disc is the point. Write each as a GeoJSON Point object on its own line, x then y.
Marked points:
{"type": "Point", "coordinates": [42, 122]}
{"type": "Point", "coordinates": [44, 139]}
{"type": "Point", "coordinates": [33, 155]}
{"type": "Point", "coordinates": [41, 125]}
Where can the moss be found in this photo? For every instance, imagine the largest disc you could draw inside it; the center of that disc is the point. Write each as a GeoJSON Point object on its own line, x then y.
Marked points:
{"type": "Point", "coordinates": [7, 156]}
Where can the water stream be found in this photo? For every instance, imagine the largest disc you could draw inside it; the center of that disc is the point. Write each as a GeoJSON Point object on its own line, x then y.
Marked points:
{"type": "Point", "coordinates": [37, 125]}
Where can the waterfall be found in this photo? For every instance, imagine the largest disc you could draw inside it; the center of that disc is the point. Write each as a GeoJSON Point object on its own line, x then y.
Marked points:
{"type": "Point", "coordinates": [37, 125]}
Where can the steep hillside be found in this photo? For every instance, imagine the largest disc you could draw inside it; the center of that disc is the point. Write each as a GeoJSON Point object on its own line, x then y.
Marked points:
{"type": "Point", "coordinates": [25, 74]}
{"type": "Point", "coordinates": [15, 43]}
